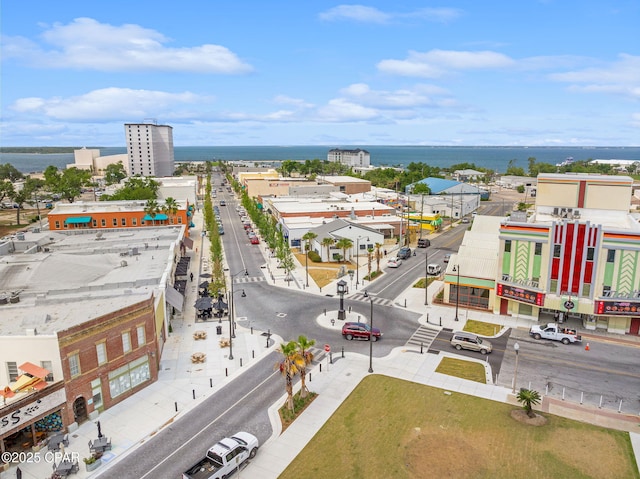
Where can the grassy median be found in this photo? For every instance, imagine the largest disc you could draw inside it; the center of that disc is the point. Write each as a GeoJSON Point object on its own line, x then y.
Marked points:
{"type": "Point", "coordinates": [389, 428]}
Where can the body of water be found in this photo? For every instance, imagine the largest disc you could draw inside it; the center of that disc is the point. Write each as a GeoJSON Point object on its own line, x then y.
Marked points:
{"type": "Point", "coordinates": [495, 158]}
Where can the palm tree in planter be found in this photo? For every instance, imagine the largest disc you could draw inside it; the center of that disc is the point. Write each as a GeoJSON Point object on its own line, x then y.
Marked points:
{"type": "Point", "coordinates": [289, 366]}
{"type": "Point", "coordinates": [378, 256]}
{"type": "Point", "coordinates": [528, 398]}
{"type": "Point", "coordinates": [304, 345]}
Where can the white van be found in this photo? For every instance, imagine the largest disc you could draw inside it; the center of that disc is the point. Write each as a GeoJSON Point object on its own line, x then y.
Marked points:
{"type": "Point", "coordinates": [433, 269]}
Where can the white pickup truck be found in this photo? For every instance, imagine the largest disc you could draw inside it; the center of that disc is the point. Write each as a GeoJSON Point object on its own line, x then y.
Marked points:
{"type": "Point", "coordinates": [556, 333]}
{"type": "Point", "coordinates": [224, 457]}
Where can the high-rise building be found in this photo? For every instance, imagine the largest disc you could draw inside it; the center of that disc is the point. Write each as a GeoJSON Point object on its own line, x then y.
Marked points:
{"type": "Point", "coordinates": [353, 158]}
{"type": "Point", "coordinates": [149, 149]}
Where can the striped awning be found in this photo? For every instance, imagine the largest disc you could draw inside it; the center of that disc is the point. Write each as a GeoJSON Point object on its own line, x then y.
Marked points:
{"type": "Point", "coordinates": [77, 220]}
{"type": "Point", "coordinates": [158, 217]}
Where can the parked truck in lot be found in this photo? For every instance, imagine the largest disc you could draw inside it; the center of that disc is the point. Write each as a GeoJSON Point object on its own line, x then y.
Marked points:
{"type": "Point", "coordinates": [556, 333]}
{"type": "Point", "coordinates": [224, 457]}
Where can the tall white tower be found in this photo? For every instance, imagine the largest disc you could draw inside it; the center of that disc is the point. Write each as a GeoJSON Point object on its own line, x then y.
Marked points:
{"type": "Point", "coordinates": [150, 149]}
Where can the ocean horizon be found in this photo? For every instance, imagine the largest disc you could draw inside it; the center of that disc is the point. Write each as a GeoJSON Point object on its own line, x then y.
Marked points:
{"type": "Point", "coordinates": [496, 158]}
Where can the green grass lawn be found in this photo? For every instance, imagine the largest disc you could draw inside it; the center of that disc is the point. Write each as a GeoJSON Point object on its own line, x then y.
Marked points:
{"type": "Point", "coordinates": [390, 428]}
{"type": "Point", "coordinates": [482, 328]}
{"type": "Point", "coordinates": [462, 369]}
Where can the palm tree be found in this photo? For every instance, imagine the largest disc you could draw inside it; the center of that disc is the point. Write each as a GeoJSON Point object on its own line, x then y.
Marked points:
{"type": "Point", "coordinates": [344, 244]}
{"type": "Point", "coordinates": [170, 207]}
{"type": "Point", "coordinates": [309, 236]}
{"type": "Point", "coordinates": [378, 256]}
{"type": "Point", "coordinates": [528, 398]}
{"type": "Point", "coordinates": [152, 209]}
{"type": "Point", "coordinates": [289, 366]}
{"type": "Point", "coordinates": [303, 348]}
{"type": "Point", "coordinates": [328, 243]}
{"type": "Point", "coordinates": [369, 258]}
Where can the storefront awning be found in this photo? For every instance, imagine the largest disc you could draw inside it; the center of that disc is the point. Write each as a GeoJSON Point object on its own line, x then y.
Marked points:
{"type": "Point", "coordinates": [33, 370]}
{"type": "Point", "coordinates": [77, 220]}
{"type": "Point", "coordinates": [174, 298]}
{"type": "Point", "coordinates": [158, 217]}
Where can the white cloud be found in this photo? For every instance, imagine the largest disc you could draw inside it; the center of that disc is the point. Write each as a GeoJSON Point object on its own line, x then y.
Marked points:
{"type": "Point", "coordinates": [436, 63]}
{"type": "Point", "coordinates": [364, 14]}
{"type": "Point", "coordinates": [110, 104]}
{"type": "Point", "coordinates": [287, 100]}
{"type": "Point", "coordinates": [402, 98]}
{"type": "Point", "coordinates": [359, 13]}
{"type": "Point", "coordinates": [621, 77]}
{"type": "Point", "coordinates": [88, 44]}
{"type": "Point", "coordinates": [341, 110]}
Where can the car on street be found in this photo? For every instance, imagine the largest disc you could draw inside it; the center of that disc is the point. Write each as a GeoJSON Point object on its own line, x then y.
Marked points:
{"type": "Point", "coordinates": [433, 269]}
{"type": "Point", "coordinates": [353, 330]}
{"type": "Point", "coordinates": [394, 262]}
{"type": "Point", "coordinates": [254, 240]}
{"type": "Point", "coordinates": [473, 342]}
{"type": "Point", "coordinates": [447, 257]}
{"type": "Point", "coordinates": [465, 220]}
{"type": "Point", "coordinates": [404, 252]}
{"type": "Point", "coordinates": [223, 203]}
{"type": "Point", "coordinates": [424, 243]}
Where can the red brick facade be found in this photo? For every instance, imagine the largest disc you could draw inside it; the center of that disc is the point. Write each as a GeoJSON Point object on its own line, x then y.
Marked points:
{"type": "Point", "coordinates": [79, 351]}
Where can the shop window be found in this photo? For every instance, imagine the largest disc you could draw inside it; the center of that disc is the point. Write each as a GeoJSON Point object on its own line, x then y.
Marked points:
{"type": "Point", "coordinates": [538, 250]}
{"type": "Point", "coordinates": [103, 222]}
{"type": "Point", "coordinates": [129, 376]}
{"type": "Point", "coordinates": [590, 254]}
{"type": "Point", "coordinates": [556, 250]}
{"type": "Point", "coordinates": [48, 365]}
{"type": "Point", "coordinates": [114, 221]}
{"type": "Point", "coordinates": [586, 290]}
{"type": "Point", "coordinates": [611, 255]}
{"type": "Point", "coordinates": [57, 225]}
{"type": "Point", "coordinates": [507, 246]}
{"type": "Point", "coordinates": [74, 365]}
{"type": "Point", "coordinates": [124, 222]}
{"type": "Point", "coordinates": [134, 221]}
{"type": "Point", "coordinates": [96, 390]}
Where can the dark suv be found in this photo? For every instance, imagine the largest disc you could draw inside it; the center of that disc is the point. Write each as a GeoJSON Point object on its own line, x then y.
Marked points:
{"type": "Point", "coordinates": [360, 331]}
{"type": "Point", "coordinates": [404, 252]}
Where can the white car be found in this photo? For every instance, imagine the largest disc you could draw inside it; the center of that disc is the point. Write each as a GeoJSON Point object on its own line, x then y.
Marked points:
{"type": "Point", "coordinates": [394, 262]}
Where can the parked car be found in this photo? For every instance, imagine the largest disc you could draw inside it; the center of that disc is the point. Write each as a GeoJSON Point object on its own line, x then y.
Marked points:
{"type": "Point", "coordinates": [220, 230]}
{"type": "Point", "coordinates": [404, 252]}
{"type": "Point", "coordinates": [473, 342]}
{"type": "Point", "coordinates": [447, 257]}
{"type": "Point", "coordinates": [352, 330]}
{"type": "Point", "coordinates": [394, 262]}
{"type": "Point", "coordinates": [254, 240]}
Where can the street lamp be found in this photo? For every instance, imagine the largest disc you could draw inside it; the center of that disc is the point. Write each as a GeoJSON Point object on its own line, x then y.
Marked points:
{"type": "Point", "coordinates": [232, 333]}
{"type": "Point", "coordinates": [366, 295]}
{"type": "Point", "coordinates": [358, 258]}
{"type": "Point", "coordinates": [516, 348]}
{"type": "Point", "coordinates": [456, 269]}
{"type": "Point", "coordinates": [342, 289]}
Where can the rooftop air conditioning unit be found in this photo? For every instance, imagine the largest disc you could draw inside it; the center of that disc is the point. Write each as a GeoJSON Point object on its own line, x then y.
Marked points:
{"type": "Point", "coordinates": [576, 213]}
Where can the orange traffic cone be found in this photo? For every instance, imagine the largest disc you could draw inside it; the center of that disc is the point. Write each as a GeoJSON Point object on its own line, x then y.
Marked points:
{"type": "Point", "coordinates": [586, 348]}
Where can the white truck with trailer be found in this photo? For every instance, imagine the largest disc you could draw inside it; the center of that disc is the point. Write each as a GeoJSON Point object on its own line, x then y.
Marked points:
{"type": "Point", "coordinates": [556, 333]}
{"type": "Point", "coordinates": [224, 457]}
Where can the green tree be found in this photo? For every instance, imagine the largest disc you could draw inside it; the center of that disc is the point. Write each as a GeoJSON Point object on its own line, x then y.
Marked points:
{"type": "Point", "coordinates": [20, 197]}
{"type": "Point", "coordinates": [421, 189]}
{"type": "Point", "coordinates": [289, 366]}
{"type": "Point", "coordinates": [114, 173]}
{"type": "Point", "coordinates": [152, 209]}
{"type": "Point", "coordinates": [528, 398]}
{"type": "Point", "coordinates": [344, 244]}
{"type": "Point", "coordinates": [135, 188]}
{"type": "Point", "coordinates": [304, 348]}
{"type": "Point", "coordinates": [170, 207]}
{"type": "Point", "coordinates": [514, 170]}
{"type": "Point", "coordinates": [308, 237]}
{"type": "Point", "coordinates": [68, 183]}
{"type": "Point", "coordinates": [328, 242]}
{"type": "Point", "coordinates": [6, 189]}
{"type": "Point", "coordinates": [289, 166]}
{"type": "Point", "coordinates": [10, 172]}
{"type": "Point", "coordinates": [378, 256]}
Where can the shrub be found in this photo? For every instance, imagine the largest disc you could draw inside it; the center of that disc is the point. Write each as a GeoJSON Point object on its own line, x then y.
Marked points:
{"type": "Point", "coordinates": [315, 257]}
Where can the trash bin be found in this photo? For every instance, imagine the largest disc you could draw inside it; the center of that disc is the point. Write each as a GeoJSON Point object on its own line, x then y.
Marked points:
{"type": "Point", "coordinates": [218, 330]}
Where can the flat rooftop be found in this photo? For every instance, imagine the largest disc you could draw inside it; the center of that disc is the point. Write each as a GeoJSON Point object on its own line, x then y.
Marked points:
{"type": "Point", "coordinates": [77, 277]}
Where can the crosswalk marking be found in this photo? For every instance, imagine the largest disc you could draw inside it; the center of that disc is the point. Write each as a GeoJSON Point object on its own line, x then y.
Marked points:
{"type": "Point", "coordinates": [249, 279]}
{"type": "Point", "coordinates": [374, 299]}
{"type": "Point", "coordinates": [424, 336]}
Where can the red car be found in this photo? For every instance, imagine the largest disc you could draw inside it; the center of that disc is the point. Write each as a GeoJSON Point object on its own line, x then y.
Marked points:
{"type": "Point", "coordinates": [255, 240]}
{"type": "Point", "coordinates": [352, 330]}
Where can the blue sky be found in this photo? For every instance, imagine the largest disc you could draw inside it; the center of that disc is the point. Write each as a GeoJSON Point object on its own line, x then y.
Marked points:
{"type": "Point", "coordinates": [544, 73]}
